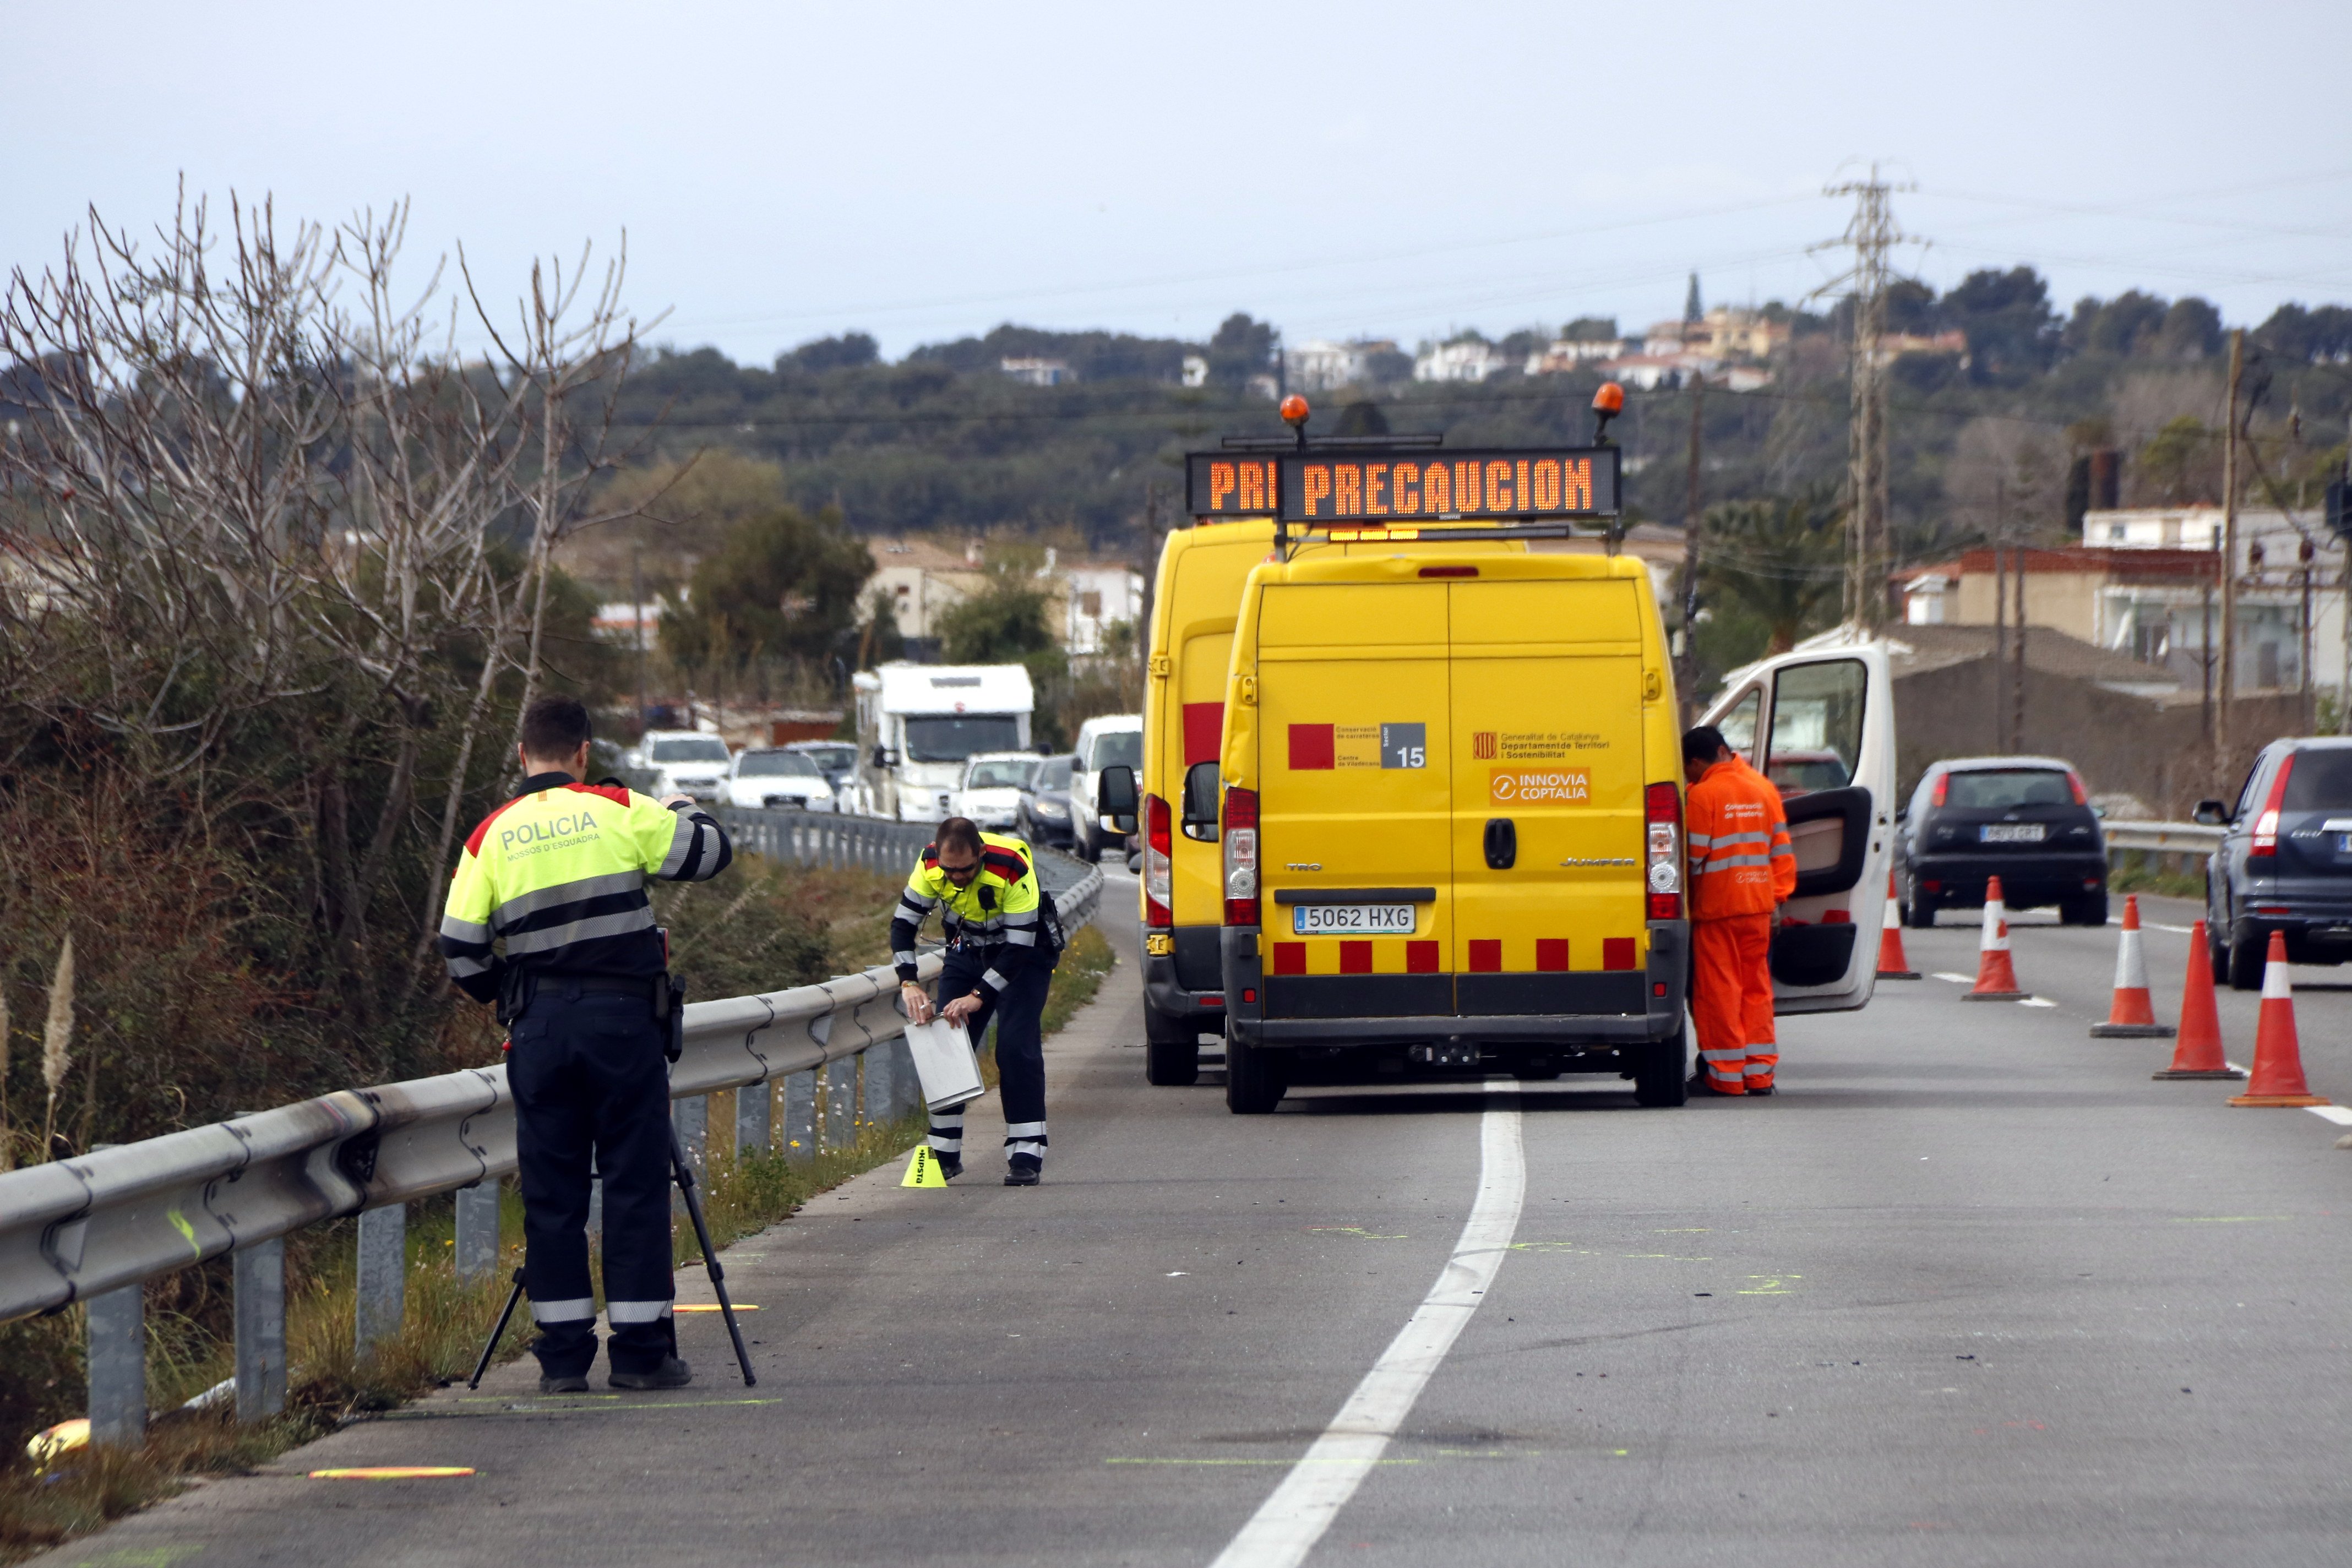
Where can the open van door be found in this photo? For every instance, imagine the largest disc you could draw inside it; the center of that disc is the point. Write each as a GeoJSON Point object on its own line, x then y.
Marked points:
{"type": "Point", "coordinates": [1820, 725]}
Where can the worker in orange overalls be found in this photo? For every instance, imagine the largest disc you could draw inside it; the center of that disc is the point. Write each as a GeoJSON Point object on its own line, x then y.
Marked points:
{"type": "Point", "coordinates": [1742, 870]}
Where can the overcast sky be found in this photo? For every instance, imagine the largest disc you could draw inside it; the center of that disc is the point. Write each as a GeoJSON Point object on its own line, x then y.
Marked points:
{"type": "Point", "coordinates": [927, 170]}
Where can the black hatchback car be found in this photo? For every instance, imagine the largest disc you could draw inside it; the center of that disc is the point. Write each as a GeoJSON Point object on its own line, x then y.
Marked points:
{"type": "Point", "coordinates": [1045, 816]}
{"type": "Point", "coordinates": [2023, 819]}
{"type": "Point", "coordinates": [2285, 863]}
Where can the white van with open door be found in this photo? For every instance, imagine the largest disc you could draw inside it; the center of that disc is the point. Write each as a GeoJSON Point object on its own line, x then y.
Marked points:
{"type": "Point", "coordinates": [1820, 723]}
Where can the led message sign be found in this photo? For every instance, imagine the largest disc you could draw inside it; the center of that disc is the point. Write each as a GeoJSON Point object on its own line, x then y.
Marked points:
{"type": "Point", "coordinates": [1357, 487]}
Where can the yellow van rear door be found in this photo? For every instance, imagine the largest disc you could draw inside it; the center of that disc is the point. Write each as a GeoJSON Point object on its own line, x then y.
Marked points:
{"type": "Point", "coordinates": [1549, 914]}
{"type": "Point", "coordinates": [1355, 818]}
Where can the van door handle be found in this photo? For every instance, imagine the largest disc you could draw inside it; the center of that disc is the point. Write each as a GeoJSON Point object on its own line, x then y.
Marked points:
{"type": "Point", "coordinates": [1502, 843]}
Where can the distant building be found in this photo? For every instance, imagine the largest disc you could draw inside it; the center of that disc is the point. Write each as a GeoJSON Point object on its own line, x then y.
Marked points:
{"type": "Point", "coordinates": [1894, 345]}
{"type": "Point", "coordinates": [1039, 372]}
{"type": "Point", "coordinates": [1318, 365]}
{"type": "Point", "coordinates": [1096, 595]}
{"type": "Point", "coordinates": [1567, 353]}
{"type": "Point", "coordinates": [923, 580]}
{"type": "Point", "coordinates": [1726, 332]}
{"type": "Point", "coordinates": [1648, 372]}
{"type": "Point", "coordinates": [624, 623]}
{"type": "Point", "coordinates": [1471, 359]}
{"type": "Point", "coordinates": [2143, 586]}
{"type": "Point", "coordinates": [1196, 371]}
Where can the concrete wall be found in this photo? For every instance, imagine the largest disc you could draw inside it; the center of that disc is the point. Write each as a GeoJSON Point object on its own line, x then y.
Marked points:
{"type": "Point", "coordinates": [2065, 601]}
{"type": "Point", "coordinates": [2118, 744]}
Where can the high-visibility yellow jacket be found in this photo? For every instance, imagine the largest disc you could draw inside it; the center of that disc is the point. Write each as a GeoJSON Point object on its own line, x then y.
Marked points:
{"type": "Point", "coordinates": [1000, 906]}
{"type": "Point", "coordinates": [558, 874]}
{"type": "Point", "coordinates": [1741, 860]}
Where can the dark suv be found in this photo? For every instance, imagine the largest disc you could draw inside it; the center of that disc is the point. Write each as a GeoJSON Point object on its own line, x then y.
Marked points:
{"type": "Point", "coordinates": [2285, 863]}
{"type": "Point", "coordinates": [2023, 819]}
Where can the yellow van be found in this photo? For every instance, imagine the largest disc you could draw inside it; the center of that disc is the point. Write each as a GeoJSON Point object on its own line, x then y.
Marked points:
{"type": "Point", "coordinates": [1452, 822]}
{"type": "Point", "coordinates": [1194, 599]}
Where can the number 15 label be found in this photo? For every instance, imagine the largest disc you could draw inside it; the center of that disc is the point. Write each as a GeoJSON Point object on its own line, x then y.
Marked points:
{"type": "Point", "coordinates": [1404, 745]}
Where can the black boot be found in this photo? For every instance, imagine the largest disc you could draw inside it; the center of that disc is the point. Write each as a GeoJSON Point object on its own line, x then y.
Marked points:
{"type": "Point", "coordinates": [950, 1165]}
{"type": "Point", "coordinates": [1024, 1171]}
{"type": "Point", "coordinates": [672, 1374]}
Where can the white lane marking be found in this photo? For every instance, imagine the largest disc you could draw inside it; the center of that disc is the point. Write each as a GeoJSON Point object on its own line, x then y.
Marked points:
{"type": "Point", "coordinates": [2338, 1115]}
{"type": "Point", "coordinates": [2035, 1001]}
{"type": "Point", "coordinates": [2238, 1068]}
{"type": "Point", "coordinates": [1287, 1525]}
{"type": "Point", "coordinates": [1956, 979]}
{"type": "Point", "coordinates": [2176, 930]}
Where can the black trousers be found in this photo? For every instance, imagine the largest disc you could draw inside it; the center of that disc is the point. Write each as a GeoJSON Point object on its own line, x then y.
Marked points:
{"type": "Point", "coordinates": [1019, 1013]}
{"type": "Point", "coordinates": [590, 1083]}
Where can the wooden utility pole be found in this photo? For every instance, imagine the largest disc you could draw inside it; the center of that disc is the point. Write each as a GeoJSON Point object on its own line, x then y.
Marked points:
{"type": "Point", "coordinates": [637, 619]}
{"type": "Point", "coordinates": [2229, 564]}
{"type": "Point", "coordinates": [1694, 532]}
{"type": "Point", "coordinates": [2017, 692]}
{"type": "Point", "coordinates": [2000, 615]}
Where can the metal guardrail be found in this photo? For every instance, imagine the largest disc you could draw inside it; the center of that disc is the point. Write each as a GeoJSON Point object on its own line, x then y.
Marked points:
{"type": "Point", "coordinates": [76, 1228]}
{"type": "Point", "coordinates": [827, 839]}
{"type": "Point", "coordinates": [2162, 838]}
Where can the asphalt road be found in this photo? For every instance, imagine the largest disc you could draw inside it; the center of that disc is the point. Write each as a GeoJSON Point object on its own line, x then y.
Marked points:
{"type": "Point", "coordinates": [1972, 1289]}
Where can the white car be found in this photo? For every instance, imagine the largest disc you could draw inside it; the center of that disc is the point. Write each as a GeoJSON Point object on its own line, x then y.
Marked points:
{"type": "Point", "coordinates": [775, 779]}
{"type": "Point", "coordinates": [1113, 740]}
{"type": "Point", "coordinates": [991, 792]}
{"type": "Point", "coordinates": [683, 762]}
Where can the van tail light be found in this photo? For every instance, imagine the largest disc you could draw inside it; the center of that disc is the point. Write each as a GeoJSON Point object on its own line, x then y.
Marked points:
{"type": "Point", "coordinates": [2266, 825]}
{"type": "Point", "coordinates": [1157, 877]}
{"type": "Point", "coordinates": [2074, 782]}
{"type": "Point", "coordinates": [1240, 838]}
{"type": "Point", "coordinates": [1943, 782]}
{"type": "Point", "coordinates": [1662, 805]}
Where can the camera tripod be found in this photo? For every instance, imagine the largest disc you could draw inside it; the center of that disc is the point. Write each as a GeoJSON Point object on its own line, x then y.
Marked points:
{"type": "Point", "coordinates": [682, 1174]}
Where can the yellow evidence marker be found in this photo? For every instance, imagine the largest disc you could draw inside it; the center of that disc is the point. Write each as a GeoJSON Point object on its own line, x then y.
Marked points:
{"type": "Point", "coordinates": [923, 1170]}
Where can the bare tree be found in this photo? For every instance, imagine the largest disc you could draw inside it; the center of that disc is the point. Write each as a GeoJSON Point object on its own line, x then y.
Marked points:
{"type": "Point", "coordinates": [276, 547]}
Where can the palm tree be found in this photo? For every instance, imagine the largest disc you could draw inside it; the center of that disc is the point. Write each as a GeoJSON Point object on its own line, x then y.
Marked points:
{"type": "Point", "coordinates": [1781, 559]}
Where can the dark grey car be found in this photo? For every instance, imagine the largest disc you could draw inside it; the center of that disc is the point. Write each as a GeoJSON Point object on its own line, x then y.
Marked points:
{"type": "Point", "coordinates": [1045, 809]}
{"type": "Point", "coordinates": [2285, 863]}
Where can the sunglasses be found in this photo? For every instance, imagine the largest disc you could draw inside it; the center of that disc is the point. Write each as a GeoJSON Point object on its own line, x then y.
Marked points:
{"type": "Point", "coordinates": [963, 873]}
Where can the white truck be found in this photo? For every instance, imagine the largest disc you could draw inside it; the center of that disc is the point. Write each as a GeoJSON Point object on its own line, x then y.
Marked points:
{"type": "Point", "coordinates": [918, 724]}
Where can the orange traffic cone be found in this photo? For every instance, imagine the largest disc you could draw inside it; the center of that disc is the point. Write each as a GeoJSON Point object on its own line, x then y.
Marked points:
{"type": "Point", "coordinates": [1892, 965]}
{"type": "Point", "coordinates": [2198, 1052]}
{"type": "Point", "coordinates": [2131, 1016]}
{"type": "Point", "coordinates": [1996, 979]}
{"type": "Point", "coordinates": [2278, 1059]}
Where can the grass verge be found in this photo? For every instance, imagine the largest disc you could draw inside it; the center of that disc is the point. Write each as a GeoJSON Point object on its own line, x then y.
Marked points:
{"type": "Point", "coordinates": [2138, 871]}
{"type": "Point", "coordinates": [444, 1325]}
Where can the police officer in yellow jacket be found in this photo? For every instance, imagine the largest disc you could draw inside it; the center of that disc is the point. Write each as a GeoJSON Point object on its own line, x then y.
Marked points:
{"type": "Point", "coordinates": [557, 876]}
{"type": "Point", "coordinates": [1002, 946]}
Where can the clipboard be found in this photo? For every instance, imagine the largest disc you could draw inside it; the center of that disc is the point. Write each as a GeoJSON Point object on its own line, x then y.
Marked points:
{"type": "Point", "coordinates": [945, 1064]}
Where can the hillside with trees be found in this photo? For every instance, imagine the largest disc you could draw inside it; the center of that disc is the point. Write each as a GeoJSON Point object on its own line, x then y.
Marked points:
{"type": "Point", "coordinates": [945, 442]}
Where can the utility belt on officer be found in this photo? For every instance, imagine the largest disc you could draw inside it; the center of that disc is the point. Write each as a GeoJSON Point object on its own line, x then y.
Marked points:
{"type": "Point", "coordinates": [664, 994]}
{"type": "Point", "coordinates": [984, 945]}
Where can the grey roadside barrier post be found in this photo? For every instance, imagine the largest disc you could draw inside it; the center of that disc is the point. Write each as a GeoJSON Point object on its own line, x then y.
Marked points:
{"type": "Point", "coordinates": [692, 1117]}
{"type": "Point", "coordinates": [260, 1274]}
{"type": "Point", "coordinates": [840, 1102]}
{"type": "Point", "coordinates": [382, 1277]}
{"type": "Point", "coordinates": [115, 1324]}
{"type": "Point", "coordinates": [118, 1367]}
{"type": "Point", "coordinates": [800, 1115]}
{"type": "Point", "coordinates": [754, 1114]}
{"type": "Point", "coordinates": [478, 1230]}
